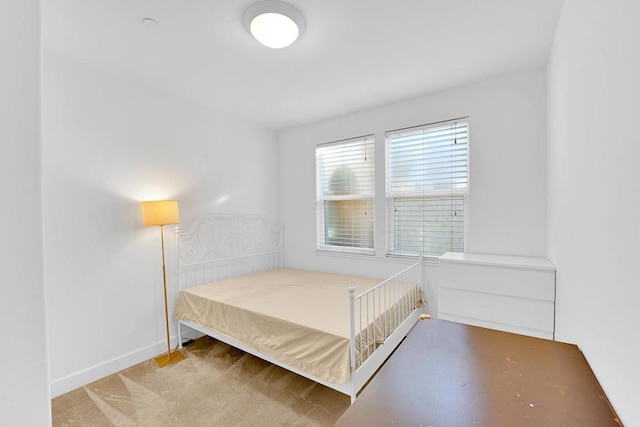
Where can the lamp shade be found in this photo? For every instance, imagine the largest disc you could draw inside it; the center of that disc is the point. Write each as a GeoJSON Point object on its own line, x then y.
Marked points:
{"type": "Point", "coordinates": [160, 212]}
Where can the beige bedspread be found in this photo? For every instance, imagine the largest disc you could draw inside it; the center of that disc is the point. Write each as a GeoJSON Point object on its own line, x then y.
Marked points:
{"type": "Point", "coordinates": [298, 317]}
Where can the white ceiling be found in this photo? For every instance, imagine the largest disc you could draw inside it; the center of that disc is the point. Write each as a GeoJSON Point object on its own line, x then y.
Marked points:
{"type": "Point", "coordinates": [354, 54]}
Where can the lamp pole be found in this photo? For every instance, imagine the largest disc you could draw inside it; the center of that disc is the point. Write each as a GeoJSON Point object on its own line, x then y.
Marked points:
{"type": "Point", "coordinates": [163, 212]}
{"type": "Point", "coordinates": [166, 304]}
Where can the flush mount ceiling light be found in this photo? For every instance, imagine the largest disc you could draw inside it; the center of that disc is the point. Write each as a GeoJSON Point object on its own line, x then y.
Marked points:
{"type": "Point", "coordinates": [273, 23]}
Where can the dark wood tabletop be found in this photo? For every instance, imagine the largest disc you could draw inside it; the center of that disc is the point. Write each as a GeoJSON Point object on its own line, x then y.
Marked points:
{"type": "Point", "coordinates": [449, 374]}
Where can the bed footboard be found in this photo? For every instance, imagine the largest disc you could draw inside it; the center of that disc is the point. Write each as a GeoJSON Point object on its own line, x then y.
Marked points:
{"type": "Point", "coordinates": [380, 318]}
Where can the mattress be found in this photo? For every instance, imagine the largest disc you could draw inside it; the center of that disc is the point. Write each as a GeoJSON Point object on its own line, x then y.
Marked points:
{"type": "Point", "coordinates": [298, 317]}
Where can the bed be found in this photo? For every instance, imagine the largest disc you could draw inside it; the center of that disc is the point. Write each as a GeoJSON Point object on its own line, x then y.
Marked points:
{"type": "Point", "coordinates": [334, 329]}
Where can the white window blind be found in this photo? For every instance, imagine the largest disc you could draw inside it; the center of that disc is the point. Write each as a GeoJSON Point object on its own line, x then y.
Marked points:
{"type": "Point", "coordinates": [345, 188]}
{"type": "Point", "coordinates": [426, 186]}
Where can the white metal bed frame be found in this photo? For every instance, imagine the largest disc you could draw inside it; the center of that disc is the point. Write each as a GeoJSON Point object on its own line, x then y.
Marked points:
{"type": "Point", "coordinates": [225, 245]}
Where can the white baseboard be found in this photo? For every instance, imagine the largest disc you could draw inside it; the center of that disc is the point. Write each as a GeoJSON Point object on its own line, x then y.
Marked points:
{"type": "Point", "coordinates": [78, 379]}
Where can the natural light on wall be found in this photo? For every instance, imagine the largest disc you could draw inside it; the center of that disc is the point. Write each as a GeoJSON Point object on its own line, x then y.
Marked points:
{"type": "Point", "coordinates": [273, 23]}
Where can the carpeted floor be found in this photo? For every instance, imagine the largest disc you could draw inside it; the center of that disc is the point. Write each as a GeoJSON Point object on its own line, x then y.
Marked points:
{"type": "Point", "coordinates": [217, 385]}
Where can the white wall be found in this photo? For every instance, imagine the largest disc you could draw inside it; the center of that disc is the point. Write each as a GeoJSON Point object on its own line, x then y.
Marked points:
{"type": "Point", "coordinates": [594, 190]}
{"type": "Point", "coordinates": [109, 143]}
{"type": "Point", "coordinates": [507, 170]}
{"type": "Point", "coordinates": [24, 392]}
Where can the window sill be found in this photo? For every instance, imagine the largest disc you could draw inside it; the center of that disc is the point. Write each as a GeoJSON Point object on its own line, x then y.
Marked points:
{"type": "Point", "coordinates": [426, 259]}
{"type": "Point", "coordinates": [400, 259]}
{"type": "Point", "coordinates": [327, 252]}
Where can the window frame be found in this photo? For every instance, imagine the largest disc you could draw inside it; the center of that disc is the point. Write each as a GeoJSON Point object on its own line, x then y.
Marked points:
{"type": "Point", "coordinates": [451, 192]}
{"type": "Point", "coordinates": [323, 247]}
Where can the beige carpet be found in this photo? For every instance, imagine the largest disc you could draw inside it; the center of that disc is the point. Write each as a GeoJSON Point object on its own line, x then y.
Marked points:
{"type": "Point", "coordinates": [217, 385]}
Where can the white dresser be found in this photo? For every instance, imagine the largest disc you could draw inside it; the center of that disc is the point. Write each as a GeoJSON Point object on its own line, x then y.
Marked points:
{"type": "Point", "coordinates": [508, 293]}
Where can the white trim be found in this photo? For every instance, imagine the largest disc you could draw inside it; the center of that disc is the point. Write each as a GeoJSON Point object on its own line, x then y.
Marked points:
{"type": "Point", "coordinates": [343, 141]}
{"type": "Point", "coordinates": [426, 259]}
{"type": "Point", "coordinates": [369, 196]}
{"type": "Point", "coordinates": [342, 250]}
{"type": "Point", "coordinates": [321, 198]}
{"type": "Point", "coordinates": [407, 259]}
{"type": "Point", "coordinates": [390, 196]}
{"type": "Point", "coordinates": [88, 375]}
{"type": "Point", "coordinates": [426, 126]}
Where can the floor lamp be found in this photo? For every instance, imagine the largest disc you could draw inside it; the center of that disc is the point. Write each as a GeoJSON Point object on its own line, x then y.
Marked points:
{"type": "Point", "coordinates": [161, 213]}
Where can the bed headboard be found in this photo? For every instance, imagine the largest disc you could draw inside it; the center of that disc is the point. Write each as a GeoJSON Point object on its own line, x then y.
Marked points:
{"type": "Point", "coordinates": [224, 245]}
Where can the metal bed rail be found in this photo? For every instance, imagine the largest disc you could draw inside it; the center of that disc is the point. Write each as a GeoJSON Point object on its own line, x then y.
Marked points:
{"type": "Point", "coordinates": [376, 313]}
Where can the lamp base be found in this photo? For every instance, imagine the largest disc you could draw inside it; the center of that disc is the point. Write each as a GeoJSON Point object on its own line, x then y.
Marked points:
{"type": "Point", "coordinates": [169, 359]}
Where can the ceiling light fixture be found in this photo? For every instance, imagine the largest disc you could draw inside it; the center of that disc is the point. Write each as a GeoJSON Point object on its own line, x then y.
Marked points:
{"type": "Point", "coordinates": [273, 23]}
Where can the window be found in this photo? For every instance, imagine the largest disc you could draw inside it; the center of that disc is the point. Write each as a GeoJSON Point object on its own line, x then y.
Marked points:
{"type": "Point", "coordinates": [345, 175]}
{"type": "Point", "coordinates": [426, 187]}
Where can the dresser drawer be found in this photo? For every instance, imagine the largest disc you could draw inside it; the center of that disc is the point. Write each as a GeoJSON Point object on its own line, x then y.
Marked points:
{"type": "Point", "coordinates": [516, 282]}
{"type": "Point", "coordinates": [512, 294]}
